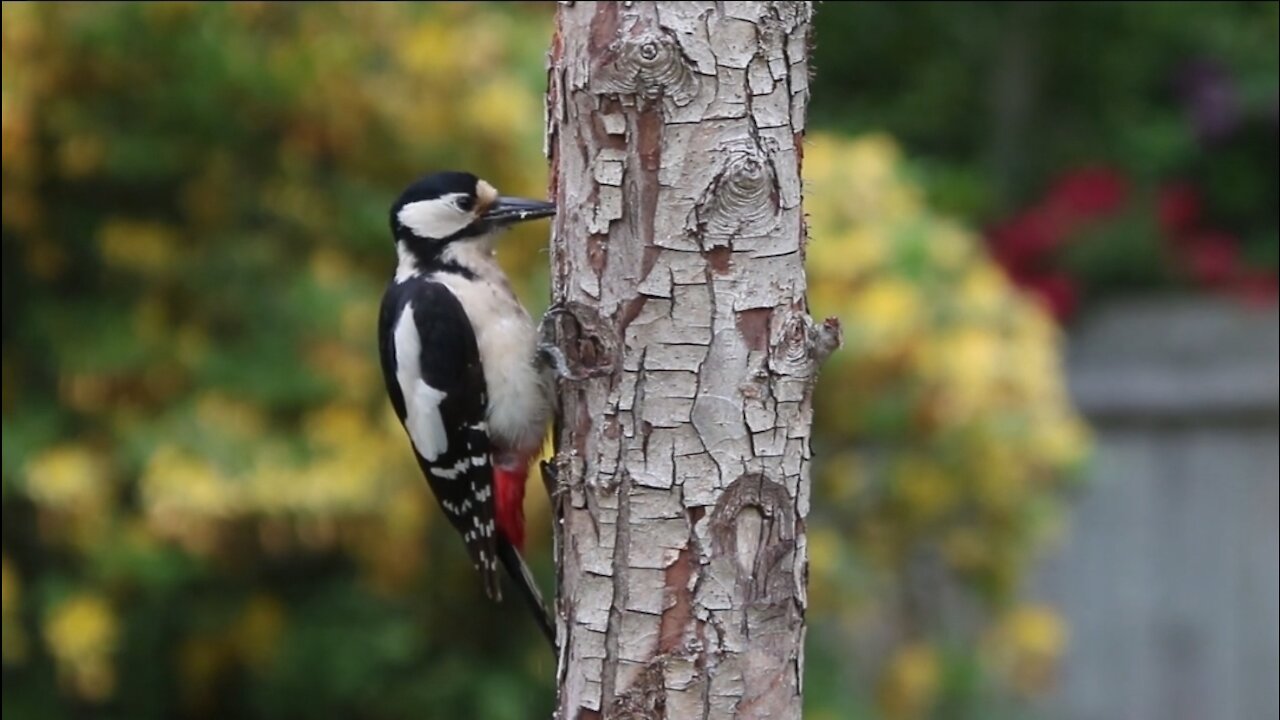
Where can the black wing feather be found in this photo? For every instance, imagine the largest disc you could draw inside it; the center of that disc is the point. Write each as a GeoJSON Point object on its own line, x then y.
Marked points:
{"type": "Point", "coordinates": [450, 362]}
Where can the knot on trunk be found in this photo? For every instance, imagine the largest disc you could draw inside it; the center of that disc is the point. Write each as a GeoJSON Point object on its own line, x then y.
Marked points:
{"type": "Point", "coordinates": [742, 199]}
{"type": "Point", "coordinates": [753, 527]}
{"type": "Point", "coordinates": [799, 344]}
{"type": "Point", "coordinates": [647, 64]}
{"type": "Point", "coordinates": [578, 343]}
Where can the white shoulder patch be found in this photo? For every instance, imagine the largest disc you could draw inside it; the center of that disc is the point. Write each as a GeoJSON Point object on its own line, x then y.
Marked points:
{"type": "Point", "coordinates": [406, 264]}
{"type": "Point", "coordinates": [421, 401]}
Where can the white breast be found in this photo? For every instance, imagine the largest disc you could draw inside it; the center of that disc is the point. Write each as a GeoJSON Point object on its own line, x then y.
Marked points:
{"type": "Point", "coordinates": [519, 406]}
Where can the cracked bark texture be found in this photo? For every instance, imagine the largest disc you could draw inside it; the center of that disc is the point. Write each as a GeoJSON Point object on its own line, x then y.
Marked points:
{"type": "Point", "coordinates": [682, 444]}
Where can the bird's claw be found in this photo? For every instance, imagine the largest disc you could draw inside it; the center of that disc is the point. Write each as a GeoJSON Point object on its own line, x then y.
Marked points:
{"type": "Point", "coordinates": [553, 358]}
{"type": "Point", "coordinates": [549, 352]}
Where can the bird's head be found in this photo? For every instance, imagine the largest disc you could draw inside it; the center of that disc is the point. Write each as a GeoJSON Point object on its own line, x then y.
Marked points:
{"type": "Point", "coordinates": [449, 207]}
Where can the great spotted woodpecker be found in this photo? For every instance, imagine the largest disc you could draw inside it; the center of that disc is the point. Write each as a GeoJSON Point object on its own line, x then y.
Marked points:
{"type": "Point", "coordinates": [460, 360]}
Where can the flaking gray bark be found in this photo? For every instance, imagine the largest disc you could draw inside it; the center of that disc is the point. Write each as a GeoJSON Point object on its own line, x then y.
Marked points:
{"type": "Point", "coordinates": [682, 465]}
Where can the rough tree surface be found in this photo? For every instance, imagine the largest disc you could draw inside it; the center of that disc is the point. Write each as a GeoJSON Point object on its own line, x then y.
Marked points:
{"type": "Point", "coordinates": [675, 130]}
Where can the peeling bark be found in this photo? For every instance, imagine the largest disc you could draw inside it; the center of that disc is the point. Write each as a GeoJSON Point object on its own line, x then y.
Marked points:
{"type": "Point", "coordinates": [682, 464]}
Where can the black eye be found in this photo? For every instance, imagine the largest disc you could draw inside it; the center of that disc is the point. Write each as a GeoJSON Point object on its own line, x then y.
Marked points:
{"type": "Point", "coordinates": [466, 202]}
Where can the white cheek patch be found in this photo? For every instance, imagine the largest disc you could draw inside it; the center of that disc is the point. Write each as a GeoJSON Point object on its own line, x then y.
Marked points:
{"type": "Point", "coordinates": [422, 402]}
{"type": "Point", "coordinates": [437, 218]}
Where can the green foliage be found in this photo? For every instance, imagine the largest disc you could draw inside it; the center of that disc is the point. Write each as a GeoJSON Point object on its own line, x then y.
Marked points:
{"type": "Point", "coordinates": [208, 509]}
{"type": "Point", "coordinates": [1094, 81]}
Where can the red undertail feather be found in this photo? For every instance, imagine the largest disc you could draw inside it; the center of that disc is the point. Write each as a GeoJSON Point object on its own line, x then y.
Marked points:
{"type": "Point", "coordinates": [508, 485]}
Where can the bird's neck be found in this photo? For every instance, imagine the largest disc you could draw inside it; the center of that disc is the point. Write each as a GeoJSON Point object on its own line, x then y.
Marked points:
{"type": "Point", "coordinates": [471, 257]}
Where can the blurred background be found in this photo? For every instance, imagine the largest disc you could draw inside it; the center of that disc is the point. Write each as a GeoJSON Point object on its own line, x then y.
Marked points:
{"type": "Point", "coordinates": [1046, 458]}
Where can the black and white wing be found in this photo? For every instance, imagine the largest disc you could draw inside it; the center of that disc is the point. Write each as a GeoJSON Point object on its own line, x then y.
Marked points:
{"type": "Point", "coordinates": [432, 369]}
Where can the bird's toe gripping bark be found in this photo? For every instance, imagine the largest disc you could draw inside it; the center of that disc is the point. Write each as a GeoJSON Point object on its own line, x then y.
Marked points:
{"type": "Point", "coordinates": [550, 357]}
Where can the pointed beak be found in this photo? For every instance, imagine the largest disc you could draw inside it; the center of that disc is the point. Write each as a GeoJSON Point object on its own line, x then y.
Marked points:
{"type": "Point", "coordinates": [511, 210]}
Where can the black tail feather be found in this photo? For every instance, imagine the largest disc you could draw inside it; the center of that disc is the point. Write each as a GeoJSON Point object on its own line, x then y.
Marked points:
{"type": "Point", "coordinates": [528, 588]}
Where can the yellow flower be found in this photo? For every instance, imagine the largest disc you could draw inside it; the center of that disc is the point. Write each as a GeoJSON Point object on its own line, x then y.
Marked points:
{"type": "Point", "coordinates": [272, 483]}
{"type": "Point", "coordinates": [357, 319]}
{"type": "Point", "coordinates": [983, 292]}
{"type": "Point", "coordinates": [842, 477]}
{"type": "Point", "coordinates": [1060, 441]}
{"type": "Point", "coordinates": [144, 247]}
{"type": "Point", "coordinates": [335, 425]}
{"type": "Point", "coordinates": [874, 156]}
{"type": "Point", "coordinates": [950, 247]}
{"type": "Point", "coordinates": [350, 369]}
{"type": "Point", "coordinates": [827, 298]}
{"type": "Point", "coordinates": [347, 481]}
{"type": "Point", "coordinates": [884, 312]}
{"type": "Point", "coordinates": [857, 181]}
{"type": "Point", "coordinates": [1036, 630]}
{"type": "Point", "coordinates": [176, 483]}
{"type": "Point", "coordinates": [329, 267]}
{"type": "Point", "coordinates": [925, 488]}
{"type": "Point", "coordinates": [229, 416]}
{"type": "Point", "coordinates": [82, 634]}
{"type": "Point", "coordinates": [824, 549]}
{"type": "Point", "coordinates": [502, 108]}
{"type": "Point", "coordinates": [67, 477]}
{"type": "Point", "coordinates": [1028, 644]}
{"type": "Point", "coordinates": [391, 551]}
{"type": "Point", "coordinates": [846, 257]}
{"type": "Point", "coordinates": [407, 515]}
{"type": "Point", "coordinates": [910, 684]}
{"type": "Point", "coordinates": [431, 49]}
{"type": "Point", "coordinates": [820, 161]}
{"type": "Point", "coordinates": [1000, 471]}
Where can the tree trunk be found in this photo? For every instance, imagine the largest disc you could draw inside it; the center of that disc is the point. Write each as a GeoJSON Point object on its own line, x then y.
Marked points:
{"type": "Point", "coordinates": [682, 460]}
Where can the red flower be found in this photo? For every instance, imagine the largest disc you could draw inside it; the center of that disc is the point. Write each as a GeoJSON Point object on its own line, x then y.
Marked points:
{"type": "Point", "coordinates": [1027, 238]}
{"type": "Point", "coordinates": [1057, 292]}
{"type": "Point", "coordinates": [1088, 193]}
{"type": "Point", "coordinates": [1178, 209]}
{"type": "Point", "coordinates": [1212, 258]}
{"type": "Point", "coordinates": [1256, 288]}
